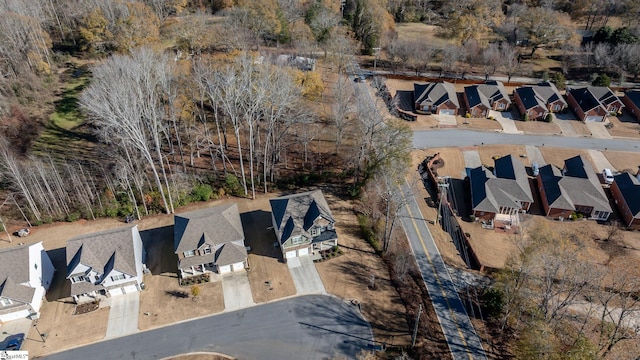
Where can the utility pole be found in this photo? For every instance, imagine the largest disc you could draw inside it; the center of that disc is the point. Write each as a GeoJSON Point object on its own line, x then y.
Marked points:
{"type": "Point", "coordinates": [440, 187]}
{"type": "Point", "coordinates": [415, 328]}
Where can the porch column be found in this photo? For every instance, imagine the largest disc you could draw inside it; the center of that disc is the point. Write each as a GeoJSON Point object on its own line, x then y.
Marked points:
{"type": "Point", "coordinates": [193, 271]}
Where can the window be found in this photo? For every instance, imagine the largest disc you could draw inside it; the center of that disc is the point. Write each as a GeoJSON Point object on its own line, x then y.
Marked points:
{"type": "Point", "coordinates": [5, 302]}
{"type": "Point", "coordinates": [189, 253]}
{"type": "Point", "coordinates": [79, 278]}
{"type": "Point", "coordinates": [296, 240]}
{"type": "Point", "coordinates": [315, 231]}
{"type": "Point", "coordinates": [330, 226]}
{"type": "Point", "coordinates": [207, 250]}
{"type": "Point", "coordinates": [96, 278]}
{"type": "Point", "coordinates": [117, 277]}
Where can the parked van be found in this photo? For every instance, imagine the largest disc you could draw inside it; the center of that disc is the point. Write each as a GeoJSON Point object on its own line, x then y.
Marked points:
{"type": "Point", "coordinates": [607, 176]}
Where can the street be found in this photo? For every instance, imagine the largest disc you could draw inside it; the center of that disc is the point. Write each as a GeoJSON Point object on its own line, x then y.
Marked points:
{"type": "Point", "coordinates": [309, 327]}
{"type": "Point", "coordinates": [423, 139]}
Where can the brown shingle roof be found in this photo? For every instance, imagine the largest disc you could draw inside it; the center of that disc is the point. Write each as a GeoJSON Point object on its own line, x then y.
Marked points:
{"type": "Point", "coordinates": [14, 270]}
{"type": "Point", "coordinates": [96, 250]}
{"type": "Point", "coordinates": [216, 225]}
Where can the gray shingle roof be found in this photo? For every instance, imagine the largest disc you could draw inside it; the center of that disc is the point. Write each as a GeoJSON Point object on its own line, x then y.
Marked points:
{"type": "Point", "coordinates": [103, 251]}
{"type": "Point", "coordinates": [230, 253]}
{"type": "Point", "coordinates": [634, 96]}
{"type": "Point", "coordinates": [585, 98]}
{"type": "Point", "coordinates": [629, 187]}
{"type": "Point", "coordinates": [578, 186]}
{"type": "Point", "coordinates": [14, 270]}
{"type": "Point", "coordinates": [508, 188]}
{"type": "Point", "coordinates": [530, 98]}
{"type": "Point", "coordinates": [216, 225]}
{"type": "Point", "coordinates": [295, 213]}
{"type": "Point", "coordinates": [486, 94]}
{"type": "Point", "coordinates": [541, 94]}
{"type": "Point", "coordinates": [603, 94]}
{"type": "Point", "coordinates": [435, 93]}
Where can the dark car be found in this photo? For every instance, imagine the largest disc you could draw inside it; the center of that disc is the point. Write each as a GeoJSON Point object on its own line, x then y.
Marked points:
{"type": "Point", "coordinates": [14, 344]}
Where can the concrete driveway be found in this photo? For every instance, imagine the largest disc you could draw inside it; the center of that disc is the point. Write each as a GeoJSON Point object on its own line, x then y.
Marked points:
{"type": "Point", "coordinates": [506, 121]}
{"type": "Point", "coordinates": [564, 123]}
{"type": "Point", "coordinates": [15, 329]}
{"type": "Point", "coordinates": [471, 159]}
{"type": "Point", "coordinates": [123, 315]}
{"type": "Point", "coordinates": [236, 291]}
{"type": "Point", "coordinates": [446, 120]}
{"type": "Point", "coordinates": [600, 161]}
{"type": "Point", "coordinates": [305, 276]}
{"type": "Point", "coordinates": [598, 130]}
{"type": "Point", "coordinates": [535, 155]}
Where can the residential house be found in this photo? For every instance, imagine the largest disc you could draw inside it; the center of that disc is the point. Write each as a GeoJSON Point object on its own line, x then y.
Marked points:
{"type": "Point", "coordinates": [625, 191]}
{"type": "Point", "coordinates": [106, 263]}
{"type": "Point", "coordinates": [575, 188]}
{"type": "Point", "coordinates": [593, 103]}
{"type": "Point", "coordinates": [26, 273]}
{"type": "Point", "coordinates": [538, 100]}
{"type": "Point", "coordinates": [505, 191]}
{"type": "Point", "coordinates": [210, 239]}
{"type": "Point", "coordinates": [303, 224]}
{"type": "Point", "coordinates": [480, 99]}
{"type": "Point", "coordinates": [436, 98]}
{"type": "Point", "coordinates": [631, 101]}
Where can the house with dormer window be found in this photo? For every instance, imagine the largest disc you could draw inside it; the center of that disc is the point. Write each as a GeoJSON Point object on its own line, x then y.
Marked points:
{"type": "Point", "coordinates": [209, 240]}
{"type": "Point", "coordinates": [303, 224]}
{"type": "Point", "coordinates": [106, 263]}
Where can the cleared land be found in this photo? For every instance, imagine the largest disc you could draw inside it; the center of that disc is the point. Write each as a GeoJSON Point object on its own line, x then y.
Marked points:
{"type": "Point", "coordinates": [624, 126]}
{"type": "Point", "coordinates": [538, 127]}
{"type": "Point", "coordinates": [487, 152]}
{"type": "Point", "coordinates": [422, 33]}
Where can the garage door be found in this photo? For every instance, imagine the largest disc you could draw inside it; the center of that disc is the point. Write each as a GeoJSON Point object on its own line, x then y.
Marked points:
{"type": "Point", "coordinates": [225, 269]}
{"type": "Point", "coordinates": [303, 252]}
{"type": "Point", "coordinates": [593, 118]}
{"type": "Point", "coordinates": [130, 289]}
{"type": "Point", "coordinates": [116, 291]}
{"type": "Point", "coordinates": [447, 112]}
{"type": "Point", "coordinates": [237, 266]}
{"type": "Point", "coordinates": [290, 254]}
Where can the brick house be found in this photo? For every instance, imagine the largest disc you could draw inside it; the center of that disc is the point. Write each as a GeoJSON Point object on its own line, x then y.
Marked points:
{"type": "Point", "coordinates": [480, 99]}
{"type": "Point", "coordinates": [625, 191]}
{"type": "Point", "coordinates": [593, 103]}
{"type": "Point", "coordinates": [631, 101]}
{"type": "Point", "coordinates": [436, 98]}
{"type": "Point", "coordinates": [575, 188]}
{"type": "Point", "coordinates": [538, 100]}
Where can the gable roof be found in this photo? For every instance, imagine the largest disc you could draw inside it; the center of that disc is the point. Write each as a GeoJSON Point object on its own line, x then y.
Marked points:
{"type": "Point", "coordinates": [577, 184]}
{"type": "Point", "coordinates": [486, 93]}
{"type": "Point", "coordinates": [604, 95]}
{"type": "Point", "coordinates": [509, 187]}
{"type": "Point", "coordinates": [14, 271]}
{"type": "Point", "coordinates": [230, 253]}
{"type": "Point", "coordinates": [539, 95]}
{"type": "Point", "coordinates": [629, 187]}
{"type": "Point", "coordinates": [104, 251]}
{"type": "Point", "coordinates": [294, 214]}
{"type": "Point", "coordinates": [435, 93]}
{"type": "Point", "coordinates": [214, 226]}
{"type": "Point", "coordinates": [634, 96]}
{"type": "Point", "coordinates": [585, 98]}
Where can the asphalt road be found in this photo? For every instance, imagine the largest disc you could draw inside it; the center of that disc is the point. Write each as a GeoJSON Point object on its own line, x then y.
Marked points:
{"type": "Point", "coordinates": [454, 137]}
{"type": "Point", "coordinates": [305, 327]}
{"type": "Point", "coordinates": [463, 341]}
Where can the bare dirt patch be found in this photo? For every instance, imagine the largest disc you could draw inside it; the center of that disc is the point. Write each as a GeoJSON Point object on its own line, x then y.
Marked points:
{"type": "Point", "coordinates": [491, 248]}
{"type": "Point", "coordinates": [623, 160]}
{"type": "Point", "coordinates": [557, 156]}
{"type": "Point", "coordinates": [538, 127]}
{"type": "Point", "coordinates": [65, 330]}
{"type": "Point", "coordinates": [161, 302]}
{"type": "Point", "coordinates": [624, 126]}
{"type": "Point", "coordinates": [349, 276]}
{"type": "Point", "coordinates": [478, 124]}
{"type": "Point", "coordinates": [487, 153]}
{"type": "Point", "coordinates": [452, 157]}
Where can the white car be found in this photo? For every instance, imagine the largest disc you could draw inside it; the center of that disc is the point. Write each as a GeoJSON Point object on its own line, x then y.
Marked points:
{"type": "Point", "coordinates": [607, 176]}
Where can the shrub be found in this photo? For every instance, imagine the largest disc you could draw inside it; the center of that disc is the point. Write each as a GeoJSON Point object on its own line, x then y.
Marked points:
{"type": "Point", "coordinates": [559, 79]}
{"type": "Point", "coordinates": [602, 80]}
{"type": "Point", "coordinates": [202, 192]}
{"type": "Point", "coordinates": [493, 302]}
{"type": "Point", "coordinates": [74, 216]}
{"type": "Point", "coordinates": [467, 115]}
{"type": "Point", "coordinates": [548, 118]}
{"type": "Point", "coordinates": [232, 185]}
{"type": "Point", "coordinates": [525, 117]}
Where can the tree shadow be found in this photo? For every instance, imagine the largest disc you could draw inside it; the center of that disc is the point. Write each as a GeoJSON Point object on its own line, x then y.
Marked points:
{"type": "Point", "coordinates": [177, 294]}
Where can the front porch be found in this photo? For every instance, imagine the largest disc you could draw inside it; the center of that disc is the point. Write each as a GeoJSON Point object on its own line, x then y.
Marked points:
{"type": "Point", "coordinates": [197, 270]}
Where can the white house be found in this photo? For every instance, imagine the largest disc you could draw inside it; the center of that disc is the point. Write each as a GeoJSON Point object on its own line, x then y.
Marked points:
{"type": "Point", "coordinates": [26, 273]}
{"type": "Point", "coordinates": [106, 263]}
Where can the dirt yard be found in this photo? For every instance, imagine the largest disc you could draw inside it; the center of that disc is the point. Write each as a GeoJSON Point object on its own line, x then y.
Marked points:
{"type": "Point", "coordinates": [538, 127]}
{"type": "Point", "coordinates": [487, 152]}
{"type": "Point", "coordinates": [453, 161]}
{"type": "Point", "coordinates": [478, 124]}
{"type": "Point", "coordinates": [581, 128]}
{"type": "Point", "coordinates": [624, 161]}
{"type": "Point", "coordinates": [624, 126]}
{"type": "Point", "coordinates": [65, 330]}
{"type": "Point", "coordinates": [557, 156]}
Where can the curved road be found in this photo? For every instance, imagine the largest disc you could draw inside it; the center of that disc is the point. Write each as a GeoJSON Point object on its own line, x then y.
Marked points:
{"type": "Point", "coordinates": [423, 139]}
{"type": "Point", "coordinates": [305, 327]}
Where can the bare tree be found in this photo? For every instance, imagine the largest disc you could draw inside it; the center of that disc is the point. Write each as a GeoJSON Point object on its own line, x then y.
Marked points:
{"type": "Point", "coordinates": [341, 107]}
{"type": "Point", "coordinates": [510, 60]}
{"type": "Point", "coordinates": [490, 60]}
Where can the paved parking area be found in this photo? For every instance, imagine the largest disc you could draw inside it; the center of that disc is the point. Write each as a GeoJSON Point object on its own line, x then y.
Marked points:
{"type": "Point", "coordinates": [506, 121]}
{"type": "Point", "coordinates": [598, 130]}
{"type": "Point", "coordinates": [236, 291]}
{"type": "Point", "coordinates": [123, 315]}
{"type": "Point", "coordinates": [305, 276]}
{"type": "Point", "coordinates": [600, 161]}
{"type": "Point", "coordinates": [535, 155]}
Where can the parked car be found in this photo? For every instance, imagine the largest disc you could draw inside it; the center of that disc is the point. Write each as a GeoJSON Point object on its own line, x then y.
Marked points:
{"type": "Point", "coordinates": [607, 176]}
{"type": "Point", "coordinates": [14, 344]}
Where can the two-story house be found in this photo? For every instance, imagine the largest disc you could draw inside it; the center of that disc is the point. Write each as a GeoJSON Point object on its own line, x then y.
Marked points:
{"type": "Point", "coordinates": [26, 273]}
{"type": "Point", "coordinates": [106, 263]}
{"type": "Point", "coordinates": [210, 239]}
{"type": "Point", "coordinates": [303, 223]}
